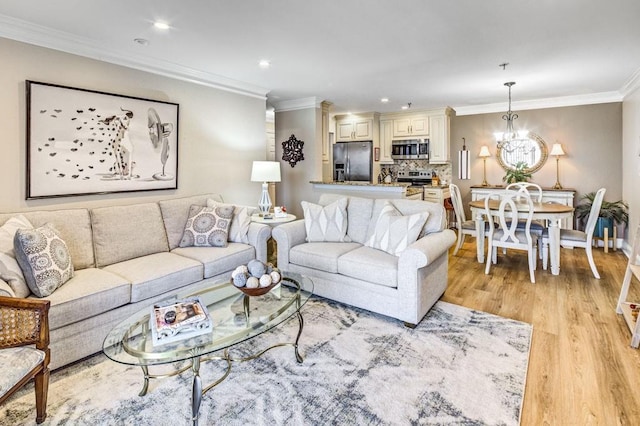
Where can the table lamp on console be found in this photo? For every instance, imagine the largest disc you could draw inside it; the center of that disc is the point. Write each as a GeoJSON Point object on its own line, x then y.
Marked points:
{"type": "Point", "coordinates": [265, 172]}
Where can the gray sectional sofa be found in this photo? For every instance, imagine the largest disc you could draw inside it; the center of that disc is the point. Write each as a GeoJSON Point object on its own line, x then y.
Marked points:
{"type": "Point", "coordinates": [126, 258]}
{"type": "Point", "coordinates": [403, 287]}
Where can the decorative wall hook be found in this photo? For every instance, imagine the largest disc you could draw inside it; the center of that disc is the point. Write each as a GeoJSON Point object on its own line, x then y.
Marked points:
{"type": "Point", "coordinates": [292, 150]}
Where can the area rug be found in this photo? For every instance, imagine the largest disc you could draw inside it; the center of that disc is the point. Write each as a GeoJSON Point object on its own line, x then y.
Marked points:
{"type": "Point", "coordinates": [458, 366]}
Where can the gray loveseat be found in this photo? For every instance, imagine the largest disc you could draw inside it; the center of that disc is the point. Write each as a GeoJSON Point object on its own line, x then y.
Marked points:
{"type": "Point", "coordinates": [126, 258]}
{"type": "Point", "coordinates": [403, 287]}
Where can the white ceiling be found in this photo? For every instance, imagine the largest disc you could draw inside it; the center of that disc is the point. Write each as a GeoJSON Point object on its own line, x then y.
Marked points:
{"type": "Point", "coordinates": [432, 53]}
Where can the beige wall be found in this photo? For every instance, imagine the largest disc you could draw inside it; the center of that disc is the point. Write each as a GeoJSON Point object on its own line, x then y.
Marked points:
{"type": "Point", "coordinates": [631, 159]}
{"type": "Point", "coordinates": [220, 133]}
{"type": "Point", "coordinates": [591, 136]}
{"type": "Point", "coordinates": [306, 125]}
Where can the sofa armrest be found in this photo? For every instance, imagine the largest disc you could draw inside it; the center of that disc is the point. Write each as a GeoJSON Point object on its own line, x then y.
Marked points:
{"type": "Point", "coordinates": [258, 236]}
{"type": "Point", "coordinates": [425, 250]}
{"type": "Point", "coordinates": [287, 236]}
{"type": "Point", "coordinates": [5, 289]}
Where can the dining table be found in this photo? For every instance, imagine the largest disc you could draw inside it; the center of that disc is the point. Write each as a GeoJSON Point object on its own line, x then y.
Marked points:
{"type": "Point", "coordinates": [552, 213]}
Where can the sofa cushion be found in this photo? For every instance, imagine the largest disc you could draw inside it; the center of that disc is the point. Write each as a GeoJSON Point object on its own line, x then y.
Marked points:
{"type": "Point", "coordinates": [73, 226]}
{"type": "Point", "coordinates": [207, 226]}
{"type": "Point", "coordinates": [176, 211]}
{"type": "Point", "coordinates": [10, 271]}
{"type": "Point", "coordinates": [44, 259]}
{"type": "Point", "coordinates": [239, 229]}
{"type": "Point", "coordinates": [157, 273]}
{"type": "Point", "coordinates": [393, 232]}
{"type": "Point", "coordinates": [326, 224]}
{"type": "Point", "coordinates": [321, 256]}
{"type": "Point", "coordinates": [90, 292]}
{"type": "Point", "coordinates": [218, 260]}
{"type": "Point", "coordinates": [369, 264]}
{"type": "Point", "coordinates": [358, 215]}
{"type": "Point", "coordinates": [125, 232]}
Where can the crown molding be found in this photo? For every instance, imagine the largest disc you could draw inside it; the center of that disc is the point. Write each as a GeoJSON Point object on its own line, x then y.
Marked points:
{"type": "Point", "coordinates": [42, 36]}
{"type": "Point", "coordinates": [294, 104]}
{"type": "Point", "coordinates": [632, 84]}
{"type": "Point", "coordinates": [565, 101]}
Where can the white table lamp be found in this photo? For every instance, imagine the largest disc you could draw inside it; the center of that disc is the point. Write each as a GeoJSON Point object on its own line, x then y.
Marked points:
{"type": "Point", "coordinates": [484, 153]}
{"type": "Point", "coordinates": [265, 171]}
{"type": "Point", "coordinates": [557, 151]}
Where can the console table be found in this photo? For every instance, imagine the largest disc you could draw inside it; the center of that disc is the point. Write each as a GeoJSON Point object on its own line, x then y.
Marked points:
{"type": "Point", "coordinates": [549, 195]}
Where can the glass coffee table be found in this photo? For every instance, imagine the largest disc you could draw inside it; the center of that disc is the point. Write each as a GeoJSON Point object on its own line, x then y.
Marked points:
{"type": "Point", "coordinates": [236, 318]}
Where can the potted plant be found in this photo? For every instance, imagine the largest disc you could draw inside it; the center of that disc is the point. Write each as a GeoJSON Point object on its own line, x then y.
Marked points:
{"type": "Point", "coordinates": [610, 214]}
{"type": "Point", "coordinates": [517, 174]}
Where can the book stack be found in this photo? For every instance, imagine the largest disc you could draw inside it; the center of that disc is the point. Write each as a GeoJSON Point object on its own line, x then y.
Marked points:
{"type": "Point", "coordinates": [179, 319]}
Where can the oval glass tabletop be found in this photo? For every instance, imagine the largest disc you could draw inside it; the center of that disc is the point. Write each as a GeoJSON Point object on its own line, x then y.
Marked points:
{"type": "Point", "coordinates": [236, 317]}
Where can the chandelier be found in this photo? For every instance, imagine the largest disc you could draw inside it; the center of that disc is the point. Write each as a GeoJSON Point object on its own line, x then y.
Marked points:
{"type": "Point", "coordinates": [511, 140]}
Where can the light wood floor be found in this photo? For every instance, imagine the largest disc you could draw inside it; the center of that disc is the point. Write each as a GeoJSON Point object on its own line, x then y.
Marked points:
{"type": "Point", "coordinates": [582, 370]}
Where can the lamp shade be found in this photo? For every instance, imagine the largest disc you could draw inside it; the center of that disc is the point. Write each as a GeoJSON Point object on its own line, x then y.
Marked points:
{"type": "Point", "coordinates": [556, 149]}
{"type": "Point", "coordinates": [265, 171]}
{"type": "Point", "coordinates": [484, 152]}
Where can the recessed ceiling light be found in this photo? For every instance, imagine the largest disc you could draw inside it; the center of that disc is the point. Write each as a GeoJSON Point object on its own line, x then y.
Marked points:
{"type": "Point", "coordinates": [161, 25]}
{"type": "Point", "coordinates": [384, 100]}
{"type": "Point", "coordinates": [141, 41]}
{"type": "Point", "coordinates": [264, 64]}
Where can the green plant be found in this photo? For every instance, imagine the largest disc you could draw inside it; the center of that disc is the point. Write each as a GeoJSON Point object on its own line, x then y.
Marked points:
{"type": "Point", "coordinates": [517, 174]}
{"type": "Point", "coordinates": [616, 210]}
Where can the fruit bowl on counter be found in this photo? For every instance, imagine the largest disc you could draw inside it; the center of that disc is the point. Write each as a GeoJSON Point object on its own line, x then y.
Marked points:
{"type": "Point", "coordinates": [256, 278]}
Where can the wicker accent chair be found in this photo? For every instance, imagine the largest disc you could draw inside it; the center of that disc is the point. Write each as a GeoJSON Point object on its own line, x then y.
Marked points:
{"type": "Point", "coordinates": [24, 323]}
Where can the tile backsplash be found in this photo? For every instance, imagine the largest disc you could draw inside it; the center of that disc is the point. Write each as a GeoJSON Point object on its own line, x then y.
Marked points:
{"type": "Point", "coordinates": [443, 171]}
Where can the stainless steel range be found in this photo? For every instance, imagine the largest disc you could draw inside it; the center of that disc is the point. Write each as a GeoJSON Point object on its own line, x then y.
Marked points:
{"type": "Point", "coordinates": [417, 180]}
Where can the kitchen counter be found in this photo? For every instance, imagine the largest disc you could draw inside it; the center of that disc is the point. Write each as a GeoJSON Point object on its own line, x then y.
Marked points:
{"type": "Point", "coordinates": [361, 189]}
{"type": "Point", "coordinates": [359, 183]}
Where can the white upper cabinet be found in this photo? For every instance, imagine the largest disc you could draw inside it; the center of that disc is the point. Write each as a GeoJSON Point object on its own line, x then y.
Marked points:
{"type": "Point", "coordinates": [411, 125]}
{"type": "Point", "coordinates": [386, 136]}
{"type": "Point", "coordinates": [350, 128]}
{"type": "Point", "coordinates": [439, 151]}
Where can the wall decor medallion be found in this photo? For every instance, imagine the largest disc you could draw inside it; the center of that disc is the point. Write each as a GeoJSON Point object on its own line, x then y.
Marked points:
{"type": "Point", "coordinates": [292, 150]}
{"type": "Point", "coordinates": [82, 142]}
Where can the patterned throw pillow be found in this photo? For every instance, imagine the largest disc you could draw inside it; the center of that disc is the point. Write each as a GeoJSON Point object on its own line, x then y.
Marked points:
{"type": "Point", "coordinates": [44, 258]}
{"type": "Point", "coordinates": [394, 232]}
{"type": "Point", "coordinates": [207, 227]}
{"type": "Point", "coordinates": [326, 224]}
{"type": "Point", "coordinates": [239, 229]}
{"type": "Point", "coordinates": [9, 269]}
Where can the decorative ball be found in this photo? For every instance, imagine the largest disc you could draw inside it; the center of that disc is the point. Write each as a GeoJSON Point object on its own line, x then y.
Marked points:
{"type": "Point", "coordinates": [269, 268]}
{"type": "Point", "coordinates": [275, 277]}
{"type": "Point", "coordinates": [256, 268]}
{"type": "Point", "coordinates": [240, 280]}
{"type": "Point", "coordinates": [253, 282]}
{"type": "Point", "coordinates": [242, 269]}
{"type": "Point", "coordinates": [265, 280]}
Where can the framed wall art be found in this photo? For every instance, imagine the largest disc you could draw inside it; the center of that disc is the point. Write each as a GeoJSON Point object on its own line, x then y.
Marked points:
{"type": "Point", "coordinates": [82, 142]}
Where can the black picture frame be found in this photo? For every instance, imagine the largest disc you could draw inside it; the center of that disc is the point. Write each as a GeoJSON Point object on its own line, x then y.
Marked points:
{"type": "Point", "coordinates": [84, 142]}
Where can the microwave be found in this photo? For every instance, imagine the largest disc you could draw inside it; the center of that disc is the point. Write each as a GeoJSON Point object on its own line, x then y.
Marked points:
{"type": "Point", "coordinates": [410, 149]}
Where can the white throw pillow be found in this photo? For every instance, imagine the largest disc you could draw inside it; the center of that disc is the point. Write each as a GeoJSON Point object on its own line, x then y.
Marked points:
{"type": "Point", "coordinates": [326, 224]}
{"type": "Point", "coordinates": [9, 269]}
{"type": "Point", "coordinates": [239, 229]}
{"type": "Point", "coordinates": [394, 232]}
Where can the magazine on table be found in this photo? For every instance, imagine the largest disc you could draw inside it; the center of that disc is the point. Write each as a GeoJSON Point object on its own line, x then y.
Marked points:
{"type": "Point", "coordinates": [179, 319]}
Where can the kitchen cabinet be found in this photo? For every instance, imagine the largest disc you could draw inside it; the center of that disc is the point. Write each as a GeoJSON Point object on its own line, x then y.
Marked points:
{"type": "Point", "coordinates": [355, 128]}
{"type": "Point", "coordinates": [436, 194]}
{"type": "Point", "coordinates": [386, 137]}
{"type": "Point", "coordinates": [411, 125]}
{"type": "Point", "coordinates": [439, 150]}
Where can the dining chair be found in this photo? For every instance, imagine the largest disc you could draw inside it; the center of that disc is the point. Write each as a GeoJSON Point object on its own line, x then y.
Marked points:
{"type": "Point", "coordinates": [464, 226]}
{"type": "Point", "coordinates": [23, 324]}
{"type": "Point", "coordinates": [509, 235]}
{"type": "Point", "coordinates": [574, 238]}
{"type": "Point", "coordinates": [535, 192]}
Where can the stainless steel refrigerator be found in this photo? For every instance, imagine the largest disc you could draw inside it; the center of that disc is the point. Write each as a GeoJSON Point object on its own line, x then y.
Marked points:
{"type": "Point", "coordinates": [352, 161]}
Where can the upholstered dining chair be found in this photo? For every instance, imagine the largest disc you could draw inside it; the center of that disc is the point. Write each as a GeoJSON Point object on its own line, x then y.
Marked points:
{"type": "Point", "coordinates": [465, 227]}
{"type": "Point", "coordinates": [24, 323]}
{"type": "Point", "coordinates": [575, 238]}
{"type": "Point", "coordinates": [535, 192]}
{"type": "Point", "coordinates": [509, 235]}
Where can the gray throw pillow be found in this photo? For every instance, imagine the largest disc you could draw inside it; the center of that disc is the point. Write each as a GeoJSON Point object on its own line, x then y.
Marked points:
{"type": "Point", "coordinates": [44, 258]}
{"type": "Point", "coordinates": [207, 226]}
{"type": "Point", "coordinates": [326, 224]}
{"type": "Point", "coordinates": [394, 232]}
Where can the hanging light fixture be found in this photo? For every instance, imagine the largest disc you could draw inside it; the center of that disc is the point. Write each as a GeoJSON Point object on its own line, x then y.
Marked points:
{"type": "Point", "coordinates": [512, 140]}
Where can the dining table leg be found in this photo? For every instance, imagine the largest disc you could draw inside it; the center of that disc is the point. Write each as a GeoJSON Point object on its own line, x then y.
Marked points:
{"type": "Point", "coordinates": [554, 246]}
{"type": "Point", "coordinates": [480, 236]}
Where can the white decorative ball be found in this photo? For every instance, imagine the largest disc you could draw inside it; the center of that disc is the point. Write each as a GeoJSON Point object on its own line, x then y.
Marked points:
{"type": "Point", "coordinates": [242, 269]}
{"type": "Point", "coordinates": [265, 280]}
{"type": "Point", "coordinates": [253, 282]}
{"type": "Point", "coordinates": [275, 277]}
